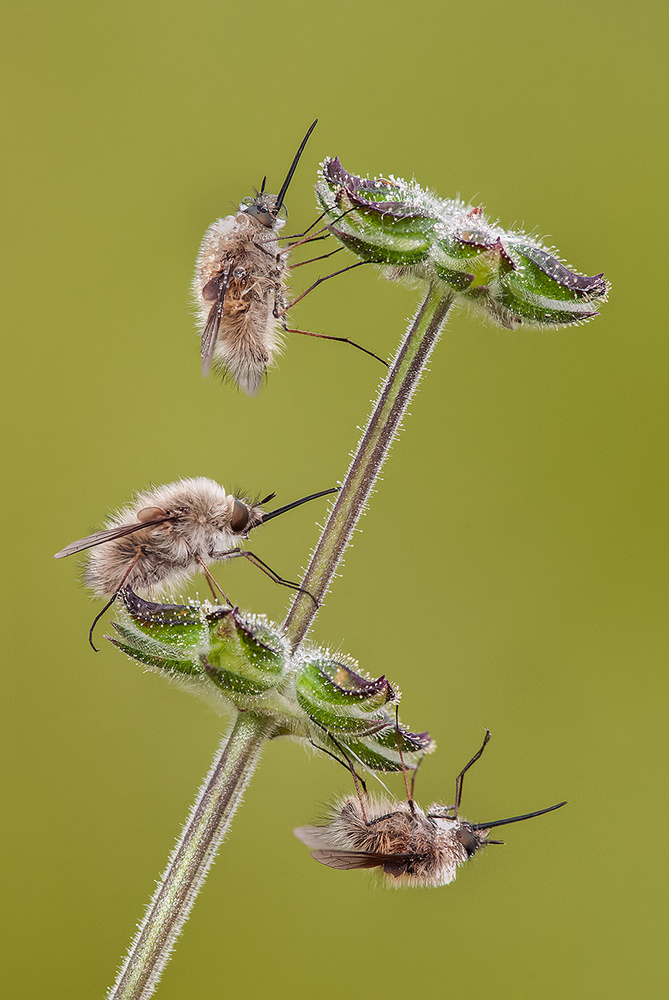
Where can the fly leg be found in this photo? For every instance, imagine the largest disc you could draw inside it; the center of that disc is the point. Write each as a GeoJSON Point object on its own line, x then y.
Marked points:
{"type": "Point", "coordinates": [319, 281]}
{"type": "Point", "coordinates": [112, 599]}
{"type": "Point", "coordinates": [212, 582]}
{"type": "Point", "coordinates": [357, 780]}
{"type": "Point", "coordinates": [459, 781]}
{"type": "Point", "coordinates": [267, 570]}
{"type": "Point", "coordinates": [280, 314]}
{"type": "Point", "coordinates": [342, 340]}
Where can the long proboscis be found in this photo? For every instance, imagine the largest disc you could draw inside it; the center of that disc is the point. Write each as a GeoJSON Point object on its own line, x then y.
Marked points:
{"type": "Point", "coordinates": [296, 503]}
{"type": "Point", "coordinates": [515, 819]}
{"type": "Point", "coordinates": [289, 176]}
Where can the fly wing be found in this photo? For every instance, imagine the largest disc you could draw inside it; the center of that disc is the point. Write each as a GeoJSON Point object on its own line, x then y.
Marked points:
{"type": "Point", "coordinates": [108, 535]}
{"type": "Point", "coordinates": [314, 836]}
{"type": "Point", "coordinates": [327, 853]}
{"type": "Point", "coordinates": [213, 324]}
{"type": "Point", "coordinates": [210, 335]}
{"type": "Point", "coordinates": [349, 860]}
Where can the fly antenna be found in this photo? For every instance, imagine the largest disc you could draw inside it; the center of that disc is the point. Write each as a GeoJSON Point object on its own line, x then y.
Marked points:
{"type": "Point", "coordinates": [262, 186]}
{"type": "Point", "coordinates": [296, 503]}
{"type": "Point", "coordinates": [293, 166]}
{"type": "Point", "coordinates": [515, 819]}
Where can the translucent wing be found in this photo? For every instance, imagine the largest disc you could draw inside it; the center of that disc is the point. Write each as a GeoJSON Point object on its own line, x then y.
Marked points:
{"type": "Point", "coordinates": [314, 836]}
{"type": "Point", "coordinates": [108, 535]}
{"type": "Point", "coordinates": [348, 860]}
{"type": "Point", "coordinates": [210, 333]}
{"type": "Point", "coordinates": [327, 853]}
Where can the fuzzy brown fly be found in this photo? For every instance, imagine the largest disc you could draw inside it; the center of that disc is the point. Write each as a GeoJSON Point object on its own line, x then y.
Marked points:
{"type": "Point", "coordinates": [240, 287]}
{"type": "Point", "coordinates": [168, 533]}
{"type": "Point", "coordinates": [408, 845]}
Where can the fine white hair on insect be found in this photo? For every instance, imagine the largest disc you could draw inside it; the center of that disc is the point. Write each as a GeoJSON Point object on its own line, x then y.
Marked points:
{"type": "Point", "coordinates": [168, 533]}
{"type": "Point", "coordinates": [409, 846]}
{"type": "Point", "coordinates": [240, 288]}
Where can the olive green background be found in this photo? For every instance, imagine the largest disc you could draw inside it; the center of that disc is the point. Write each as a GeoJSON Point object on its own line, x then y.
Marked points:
{"type": "Point", "coordinates": [511, 570]}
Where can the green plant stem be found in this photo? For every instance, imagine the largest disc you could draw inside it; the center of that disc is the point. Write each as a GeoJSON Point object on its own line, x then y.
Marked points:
{"type": "Point", "coordinates": [372, 449]}
{"type": "Point", "coordinates": [201, 837]}
{"type": "Point", "coordinates": [237, 756]}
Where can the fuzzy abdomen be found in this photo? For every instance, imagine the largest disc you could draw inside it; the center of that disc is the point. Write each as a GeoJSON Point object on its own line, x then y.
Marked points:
{"type": "Point", "coordinates": [250, 336]}
{"type": "Point", "coordinates": [157, 561]}
{"type": "Point", "coordinates": [392, 831]}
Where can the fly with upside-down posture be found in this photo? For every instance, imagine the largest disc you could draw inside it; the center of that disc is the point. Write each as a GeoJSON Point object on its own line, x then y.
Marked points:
{"type": "Point", "coordinates": [168, 533]}
{"type": "Point", "coordinates": [411, 847]}
{"type": "Point", "coordinates": [240, 288]}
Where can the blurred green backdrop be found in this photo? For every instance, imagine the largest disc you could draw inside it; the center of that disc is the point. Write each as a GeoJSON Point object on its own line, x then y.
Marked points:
{"type": "Point", "coordinates": [511, 571]}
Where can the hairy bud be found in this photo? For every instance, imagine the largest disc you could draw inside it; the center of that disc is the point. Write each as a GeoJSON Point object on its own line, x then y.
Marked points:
{"type": "Point", "coordinates": [507, 275]}
{"type": "Point", "coordinates": [352, 709]}
{"type": "Point", "coordinates": [244, 660]}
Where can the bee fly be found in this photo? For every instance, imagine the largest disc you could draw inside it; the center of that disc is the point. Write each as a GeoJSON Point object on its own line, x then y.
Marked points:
{"type": "Point", "coordinates": [240, 287]}
{"type": "Point", "coordinates": [411, 847]}
{"type": "Point", "coordinates": [167, 533]}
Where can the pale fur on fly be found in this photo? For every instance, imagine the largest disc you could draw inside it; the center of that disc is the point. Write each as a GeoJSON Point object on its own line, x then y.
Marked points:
{"type": "Point", "coordinates": [241, 270]}
{"type": "Point", "coordinates": [177, 527]}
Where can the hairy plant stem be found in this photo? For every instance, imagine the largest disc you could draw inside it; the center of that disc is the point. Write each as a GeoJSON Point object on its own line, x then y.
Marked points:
{"type": "Point", "coordinates": [222, 789]}
{"type": "Point", "coordinates": [215, 805]}
{"type": "Point", "coordinates": [372, 449]}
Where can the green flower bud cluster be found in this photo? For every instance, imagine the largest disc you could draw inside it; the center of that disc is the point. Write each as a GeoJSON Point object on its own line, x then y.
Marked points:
{"type": "Point", "coordinates": [351, 708]}
{"type": "Point", "coordinates": [507, 275]}
{"type": "Point", "coordinates": [244, 661]}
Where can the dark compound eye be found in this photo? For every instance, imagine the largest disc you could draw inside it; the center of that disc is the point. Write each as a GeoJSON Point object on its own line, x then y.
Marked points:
{"type": "Point", "coordinates": [240, 516]}
{"type": "Point", "coordinates": [262, 215]}
{"type": "Point", "coordinates": [469, 840]}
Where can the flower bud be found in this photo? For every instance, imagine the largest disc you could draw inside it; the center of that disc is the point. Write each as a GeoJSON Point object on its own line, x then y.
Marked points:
{"type": "Point", "coordinates": [351, 710]}
{"type": "Point", "coordinates": [243, 656]}
{"type": "Point", "coordinates": [244, 660]}
{"type": "Point", "coordinates": [507, 275]}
